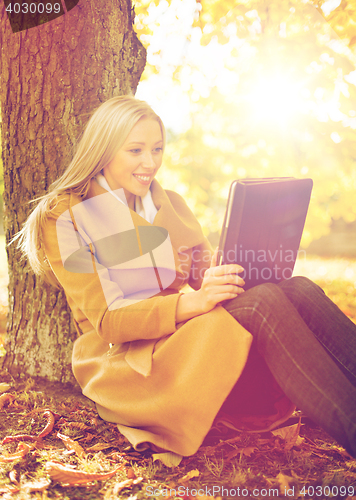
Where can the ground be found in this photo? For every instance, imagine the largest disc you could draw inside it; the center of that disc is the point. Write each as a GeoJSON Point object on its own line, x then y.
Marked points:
{"type": "Point", "coordinates": [82, 457]}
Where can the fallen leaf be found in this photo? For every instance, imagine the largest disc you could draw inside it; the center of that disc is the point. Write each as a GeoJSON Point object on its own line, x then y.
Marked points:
{"type": "Point", "coordinates": [290, 435]}
{"type": "Point", "coordinates": [126, 484]}
{"type": "Point", "coordinates": [116, 456]}
{"type": "Point", "coordinates": [228, 441]}
{"type": "Point", "coordinates": [13, 475]}
{"type": "Point", "coordinates": [6, 398]}
{"type": "Point", "coordinates": [19, 437]}
{"type": "Point", "coordinates": [87, 438]}
{"type": "Point", "coordinates": [72, 445]}
{"type": "Point", "coordinates": [293, 438]}
{"type": "Point", "coordinates": [190, 475]}
{"type": "Point", "coordinates": [263, 441]}
{"type": "Point", "coordinates": [67, 475]}
{"type": "Point", "coordinates": [4, 387]}
{"type": "Point", "coordinates": [283, 481]}
{"type": "Point", "coordinates": [233, 454]}
{"type": "Point", "coordinates": [130, 474]}
{"type": "Point", "coordinates": [39, 485]}
{"type": "Point", "coordinates": [49, 425]}
{"type": "Point", "coordinates": [249, 450]}
{"type": "Point", "coordinates": [123, 484]}
{"type": "Point", "coordinates": [21, 452]}
{"type": "Point", "coordinates": [99, 447]}
{"type": "Point", "coordinates": [78, 425]}
{"type": "Point", "coordinates": [9, 492]}
{"type": "Point", "coordinates": [283, 432]}
{"type": "Point", "coordinates": [241, 451]}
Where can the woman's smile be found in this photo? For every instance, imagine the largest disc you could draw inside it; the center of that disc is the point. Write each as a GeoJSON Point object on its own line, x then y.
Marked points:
{"type": "Point", "coordinates": [135, 165]}
{"type": "Point", "coordinates": [143, 179]}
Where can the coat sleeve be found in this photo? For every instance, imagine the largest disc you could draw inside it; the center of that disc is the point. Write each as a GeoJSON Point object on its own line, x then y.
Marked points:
{"type": "Point", "coordinates": [201, 258]}
{"type": "Point", "coordinates": [144, 319]}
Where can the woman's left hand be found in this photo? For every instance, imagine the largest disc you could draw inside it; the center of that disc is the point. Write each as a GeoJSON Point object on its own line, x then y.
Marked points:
{"type": "Point", "coordinates": [220, 283]}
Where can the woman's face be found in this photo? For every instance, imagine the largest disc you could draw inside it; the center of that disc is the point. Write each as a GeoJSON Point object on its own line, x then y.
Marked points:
{"type": "Point", "coordinates": [137, 161]}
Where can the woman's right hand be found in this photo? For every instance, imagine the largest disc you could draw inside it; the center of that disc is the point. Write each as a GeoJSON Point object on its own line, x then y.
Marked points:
{"type": "Point", "coordinates": [220, 283]}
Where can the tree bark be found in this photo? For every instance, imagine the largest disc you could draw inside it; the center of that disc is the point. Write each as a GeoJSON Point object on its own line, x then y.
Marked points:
{"type": "Point", "coordinates": [52, 77]}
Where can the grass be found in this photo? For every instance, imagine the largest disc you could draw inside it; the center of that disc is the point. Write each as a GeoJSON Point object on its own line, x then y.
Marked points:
{"type": "Point", "coordinates": [237, 465]}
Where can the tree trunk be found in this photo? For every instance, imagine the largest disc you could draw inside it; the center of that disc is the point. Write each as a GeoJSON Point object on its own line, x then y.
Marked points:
{"type": "Point", "coordinates": [52, 77]}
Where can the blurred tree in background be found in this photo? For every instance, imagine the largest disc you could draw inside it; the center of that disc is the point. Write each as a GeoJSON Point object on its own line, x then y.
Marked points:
{"type": "Point", "coordinates": [269, 88]}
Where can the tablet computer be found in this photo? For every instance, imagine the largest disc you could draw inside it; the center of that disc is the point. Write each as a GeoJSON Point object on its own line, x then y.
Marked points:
{"type": "Point", "coordinates": [263, 226]}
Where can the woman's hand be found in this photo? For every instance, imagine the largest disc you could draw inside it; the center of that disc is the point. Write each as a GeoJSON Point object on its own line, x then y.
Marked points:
{"type": "Point", "coordinates": [220, 283]}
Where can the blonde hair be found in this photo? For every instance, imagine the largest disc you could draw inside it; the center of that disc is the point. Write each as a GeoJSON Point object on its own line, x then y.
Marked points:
{"type": "Point", "coordinates": [104, 134]}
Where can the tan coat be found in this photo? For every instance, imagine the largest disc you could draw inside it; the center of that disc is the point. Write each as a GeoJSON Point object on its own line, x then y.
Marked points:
{"type": "Point", "coordinates": [162, 383]}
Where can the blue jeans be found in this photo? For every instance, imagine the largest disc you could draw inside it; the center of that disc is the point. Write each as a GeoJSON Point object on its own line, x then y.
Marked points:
{"type": "Point", "coordinates": [308, 345]}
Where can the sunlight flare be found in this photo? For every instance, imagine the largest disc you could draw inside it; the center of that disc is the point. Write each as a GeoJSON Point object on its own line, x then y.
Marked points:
{"type": "Point", "coordinates": [275, 99]}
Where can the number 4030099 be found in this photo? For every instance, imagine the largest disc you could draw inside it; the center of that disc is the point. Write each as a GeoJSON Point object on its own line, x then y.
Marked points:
{"type": "Point", "coordinates": [327, 491]}
{"type": "Point", "coordinates": [33, 8]}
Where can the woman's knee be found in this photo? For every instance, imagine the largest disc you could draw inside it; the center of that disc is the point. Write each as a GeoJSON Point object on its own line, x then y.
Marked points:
{"type": "Point", "coordinates": [266, 293]}
{"type": "Point", "coordinates": [257, 299]}
{"type": "Point", "coordinates": [301, 292]}
{"type": "Point", "coordinates": [299, 285]}
{"type": "Point", "coordinates": [259, 309]}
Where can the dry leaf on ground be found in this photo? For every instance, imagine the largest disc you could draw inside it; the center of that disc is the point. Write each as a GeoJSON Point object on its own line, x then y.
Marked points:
{"type": "Point", "coordinates": [4, 387]}
{"type": "Point", "coordinates": [126, 484]}
{"type": "Point", "coordinates": [67, 475]}
{"type": "Point", "coordinates": [40, 485]}
{"type": "Point", "coordinates": [99, 447]}
{"type": "Point", "coordinates": [130, 474]}
{"type": "Point", "coordinates": [49, 416]}
{"type": "Point", "coordinates": [14, 475]}
{"type": "Point", "coordinates": [6, 398]}
{"type": "Point", "coordinates": [249, 450]}
{"type": "Point", "coordinates": [190, 475]}
{"type": "Point", "coordinates": [20, 453]}
{"type": "Point", "coordinates": [284, 483]}
{"type": "Point", "coordinates": [293, 438]}
{"type": "Point", "coordinates": [70, 444]}
{"type": "Point", "coordinates": [241, 451]}
{"type": "Point", "coordinates": [290, 435]}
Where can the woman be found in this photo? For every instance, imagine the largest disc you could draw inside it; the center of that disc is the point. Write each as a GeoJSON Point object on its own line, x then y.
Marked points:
{"type": "Point", "coordinates": [162, 363]}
